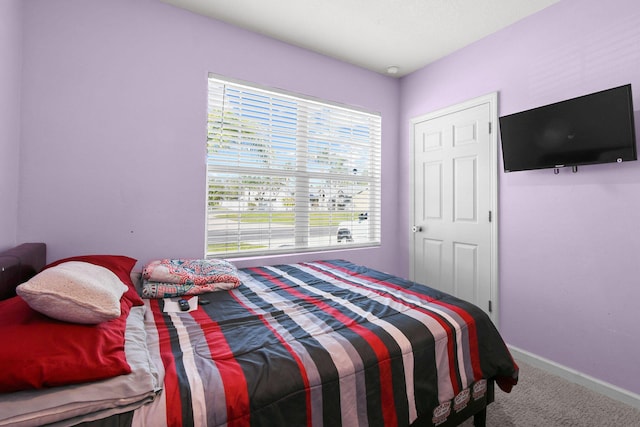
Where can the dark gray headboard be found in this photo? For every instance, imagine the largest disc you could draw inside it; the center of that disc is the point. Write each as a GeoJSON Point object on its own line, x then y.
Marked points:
{"type": "Point", "coordinates": [19, 264]}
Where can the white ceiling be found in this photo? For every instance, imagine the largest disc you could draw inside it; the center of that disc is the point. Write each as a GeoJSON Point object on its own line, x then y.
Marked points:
{"type": "Point", "coordinates": [374, 34]}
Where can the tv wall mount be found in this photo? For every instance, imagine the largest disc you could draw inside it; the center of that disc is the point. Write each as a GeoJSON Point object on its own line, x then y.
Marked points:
{"type": "Point", "coordinates": [574, 169]}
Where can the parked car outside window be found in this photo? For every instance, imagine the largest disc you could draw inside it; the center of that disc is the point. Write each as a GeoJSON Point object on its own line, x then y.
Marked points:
{"type": "Point", "coordinates": [354, 231]}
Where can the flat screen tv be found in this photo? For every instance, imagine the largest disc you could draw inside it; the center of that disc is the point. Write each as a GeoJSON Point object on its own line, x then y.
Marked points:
{"type": "Point", "coordinates": [590, 129]}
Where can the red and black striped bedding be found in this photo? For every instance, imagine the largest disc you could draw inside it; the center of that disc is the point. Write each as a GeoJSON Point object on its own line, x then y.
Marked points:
{"type": "Point", "coordinates": [323, 343]}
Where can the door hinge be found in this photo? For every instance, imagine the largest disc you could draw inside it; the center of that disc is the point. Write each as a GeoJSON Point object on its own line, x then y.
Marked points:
{"type": "Point", "coordinates": [489, 216]}
{"type": "Point", "coordinates": [490, 309]}
{"type": "Point", "coordinates": [490, 127]}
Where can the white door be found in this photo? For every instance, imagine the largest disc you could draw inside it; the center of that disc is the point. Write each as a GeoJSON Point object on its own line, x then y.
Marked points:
{"type": "Point", "coordinates": [454, 193]}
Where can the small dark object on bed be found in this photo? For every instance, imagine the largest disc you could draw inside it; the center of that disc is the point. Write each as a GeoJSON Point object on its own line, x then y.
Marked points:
{"type": "Point", "coordinates": [184, 304]}
{"type": "Point", "coordinates": [203, 301]}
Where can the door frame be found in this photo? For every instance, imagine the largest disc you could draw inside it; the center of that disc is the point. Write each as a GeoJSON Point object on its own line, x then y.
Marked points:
{"type": "Point", "coordinates": [492, 100]}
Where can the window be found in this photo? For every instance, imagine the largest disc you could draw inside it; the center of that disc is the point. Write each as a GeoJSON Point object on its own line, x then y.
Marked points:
{"type": "Point", "coordinates": [288, 174]}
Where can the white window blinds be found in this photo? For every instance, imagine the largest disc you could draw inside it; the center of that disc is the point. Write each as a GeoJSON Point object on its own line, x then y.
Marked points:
{"type": "Point", "coordinates": [288, 174]}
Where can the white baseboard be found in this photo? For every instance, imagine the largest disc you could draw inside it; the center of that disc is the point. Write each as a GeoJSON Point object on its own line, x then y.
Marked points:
{"type": "Point", "coordinates": [577, 377]}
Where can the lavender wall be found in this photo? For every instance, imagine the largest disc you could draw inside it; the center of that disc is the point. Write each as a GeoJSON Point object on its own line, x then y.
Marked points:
{"type": "Point", "coordinates": [569, 243]}
{"type": "Point", "coordinates": [10, 67]}
{"type": "Point", "coordinates": [112, 151]}
{"type": "Point", "coordinates": [114, 123]}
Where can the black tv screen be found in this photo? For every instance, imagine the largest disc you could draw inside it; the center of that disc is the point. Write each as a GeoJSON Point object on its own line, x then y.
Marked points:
{"type": "Point", "coordinates": [590, 129]}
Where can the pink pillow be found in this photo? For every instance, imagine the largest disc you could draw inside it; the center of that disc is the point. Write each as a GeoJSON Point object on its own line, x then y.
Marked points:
{"type": "Point", "coordinates": [120, 265]}
{"type": "Point", "coordinates": [75, 291]}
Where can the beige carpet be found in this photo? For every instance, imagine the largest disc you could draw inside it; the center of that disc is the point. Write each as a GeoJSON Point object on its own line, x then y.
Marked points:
{"type": "Point", "coordinates": [544, 400]}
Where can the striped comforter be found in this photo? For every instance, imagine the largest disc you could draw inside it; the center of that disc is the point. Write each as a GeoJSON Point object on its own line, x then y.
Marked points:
{"type": "Point", "coordinates": [321, 343]}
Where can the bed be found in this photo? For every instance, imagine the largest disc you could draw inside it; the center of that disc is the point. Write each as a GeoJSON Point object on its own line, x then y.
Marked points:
{"type": "Point", "coordinates": [317, 343]}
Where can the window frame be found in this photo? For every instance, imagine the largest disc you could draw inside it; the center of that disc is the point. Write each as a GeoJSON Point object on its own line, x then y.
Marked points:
{"type": "Point", "coordinates": [302, 176]}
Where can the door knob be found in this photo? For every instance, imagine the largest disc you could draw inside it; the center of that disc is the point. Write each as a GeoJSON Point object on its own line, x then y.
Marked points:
{"type": "Point", "coordinates": [416, 228]}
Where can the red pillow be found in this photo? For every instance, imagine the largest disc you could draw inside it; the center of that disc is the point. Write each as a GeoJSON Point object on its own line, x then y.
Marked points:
{"type": "Point", "coordinates": [119, 264]}
{"type": "Point", "coordinates": [39, 352]}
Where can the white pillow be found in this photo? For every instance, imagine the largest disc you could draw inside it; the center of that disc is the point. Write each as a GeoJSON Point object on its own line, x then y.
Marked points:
{"type": "Point", "coordinates": [75, 291]}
